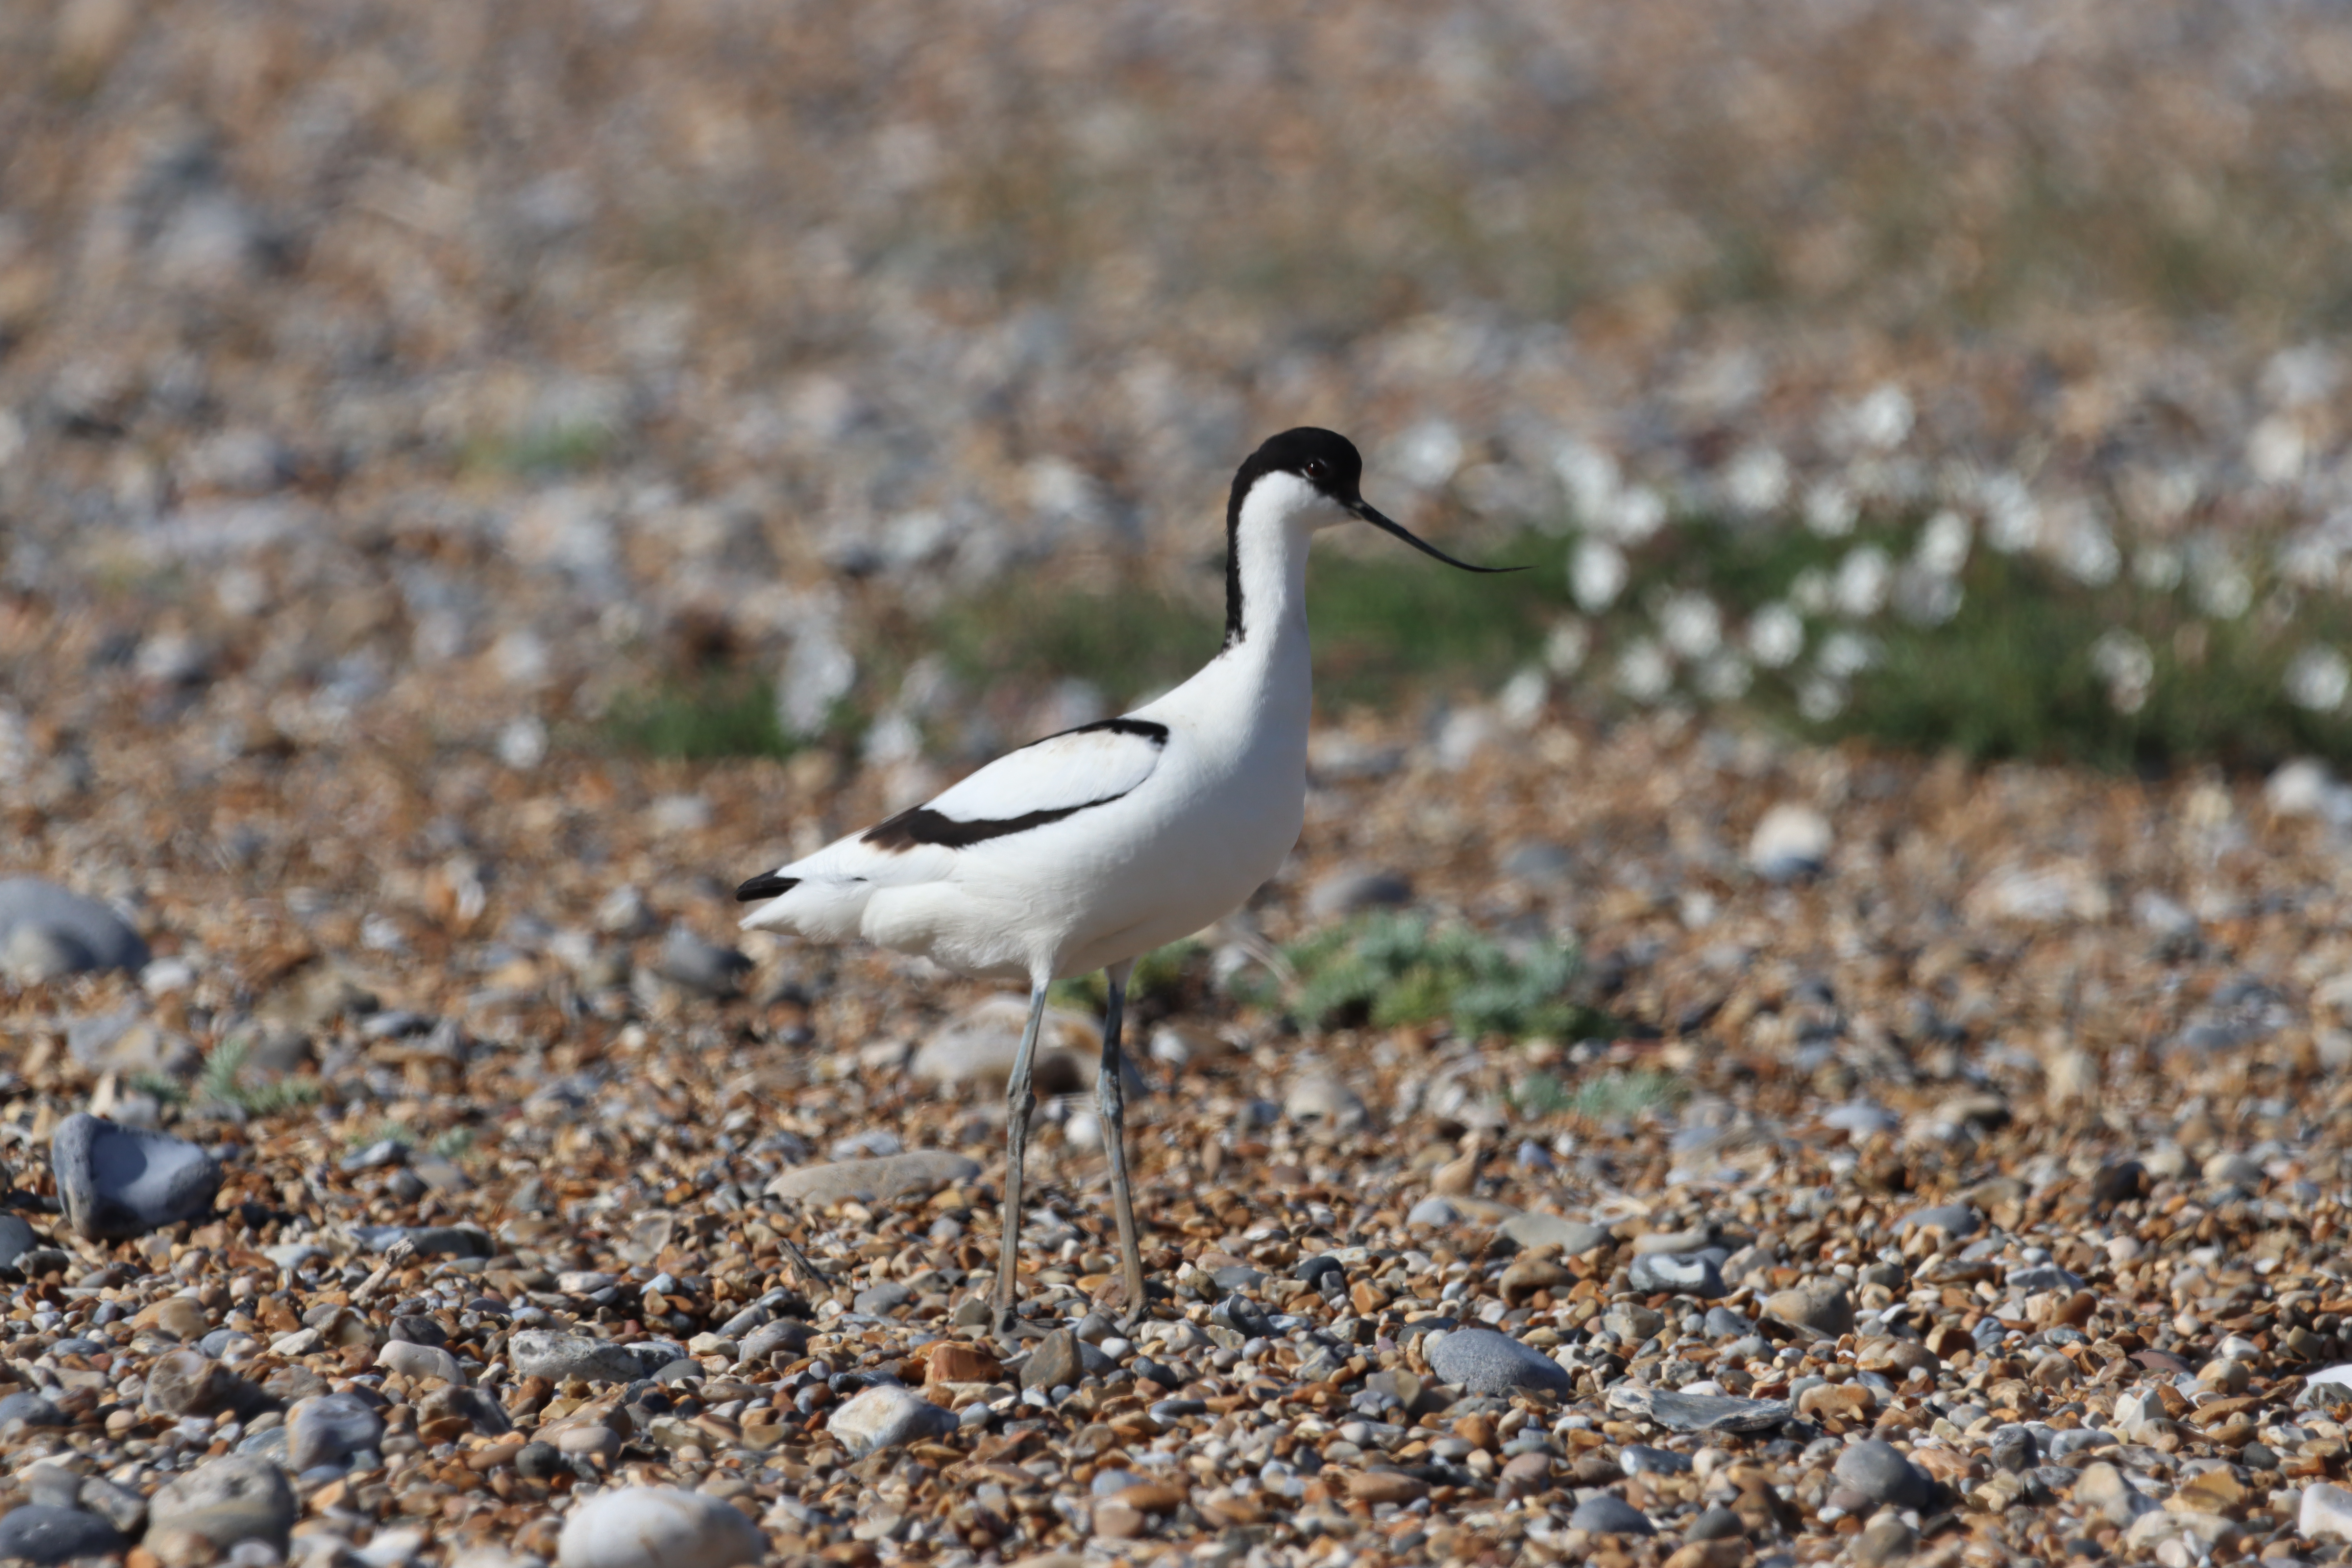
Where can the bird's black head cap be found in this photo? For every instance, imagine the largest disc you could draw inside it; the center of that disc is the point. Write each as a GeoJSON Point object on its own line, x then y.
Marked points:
{"type": "Point", "coordinates": [1324, 458]}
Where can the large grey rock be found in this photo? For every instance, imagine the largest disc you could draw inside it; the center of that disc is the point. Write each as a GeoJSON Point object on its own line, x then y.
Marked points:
{"type": "Point", "coordinates": [32, 1409]}
{"type": "Point", "coordinates": [885, 1417]}
{"type": "Point", "coordinates": [788, 1334]}
{"type": "Point", "coordinates": [1880, 1472]}
{"type": "Point", "coordinates": [1693, 1274]}
{"type": "Point", "coordinates": [1485, 1362]}
{"type": "Point", "coordinates": [2326, 1513]}
{"type": "Point", "coordinates": [1679, 1412]}
{"type": "Point", "coordinates": [874, 1181]}
{"type": "Point", "coordinates": [47, 931]}
{"type": "Point", "coordinates": [1574, 1237]}
{"type": "Point", "coordinates": [116, 1181]}
{"type": "Point", "coordinates": [239, 1497]}
{"type": "Point", "coordinates": [328, 1429]}
{"type": "Point", "coordinates": [1609, 1514]}
{"type": "Point", "coordinates": [658, 1527]}
{"type": "Point", "coordinates": [41, 1532]}
{"type": "Point", "coordinates": [1055, 1362]}
{"type": "Point", "coordinates": [418, 1362]}
{"type": "Point", "coordinates": [16, 1238]}
{"type": "Point", "coordinates": [1820, 1307]}
{"type": "Point", "coordinates": [554, 1355]}
{"type": "Point", "coordinates": [186, 1382]}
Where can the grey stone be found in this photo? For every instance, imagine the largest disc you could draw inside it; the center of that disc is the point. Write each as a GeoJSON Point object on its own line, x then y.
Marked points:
{"type": "Point", "coordinates": [187, 1383]}
{"type": "Point", "coordinates": [116, 1181]}
{"type": "Point", "coordinates": [658, 1527]}
{"type": "Point", "coordinates": [1820, 1306]}
{"type": "Point", "coordinates": [980, 1045]}
{"type": "Point", "coordinates": [32, 1409]}
{"type": "Point", "coordinates": [1318, 1094]}
{"type": "Point", "coordinates": [1054, 1362]}
{"type": "Point", "coordinates": [702, 967]}
{"type": "Point", "coordinates": [537, 1461]}
{"type": "Point", "coordinates": [874, 1181]}
{"type": "Point", "coordinates": [124, 1041]}
{"type": "Point", "coordinates": [420, 1361]}
{"type": "Point", "coordinates": [1433, 1211]}
{"type": "Point", "coordinates": [1880, 1472]}
{"type": "Point", "coordinates": [887, 1416]}
{"type": "Point", "coordinates": [1351, 889]}
{"type": "Point", "coordinates": [1485, 1362]}
{"type": "Point", "coordinates": [61, 927]}
{"type": "Point", "coordinates": [52, 1485]}
{"type": "Point", "coordinates": [16, 1238]}
{"type": "Point", "coordinates": [1885, 1540]}
{"type": "Point", "coordinates": [881, 1300]}
{"type": "Point", "coordinates": [1682, 1274]}
{"type": "Point", "coordinates": [1715, 1524]}
{"type": "Point", "coordinates": [450, 1241]}
{"type": "Point", "coordinates": [2044, 1277]}
{"type": "Point", "coordinates": [1641, 1459]}
{"type": "Point", "coordinates": [1573, 1237]}
{"type": "Point", "coordinates": [237, 1496]}
{"type": "Point", "coordinates": [786, 1335]}
{"type": "Point", "coordinates": [555, 1355]}
{"type": "Point", "coordinates": [328, 1428]}
{"type": "Point", "coordinates": [1704, 1412]}
{"type": "Point", "coordinates": [1958, 1221]}
{"type": "Point", "coordinates": [42, 1532]}
{"type": "Point", "coordinates": [1609, 1514]}
{"type": "Point", "coordinates": [114, 1502]}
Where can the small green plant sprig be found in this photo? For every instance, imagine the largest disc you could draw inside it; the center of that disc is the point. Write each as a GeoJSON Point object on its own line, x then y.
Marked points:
{"type": "Point", "coordinates": [1387, 969]}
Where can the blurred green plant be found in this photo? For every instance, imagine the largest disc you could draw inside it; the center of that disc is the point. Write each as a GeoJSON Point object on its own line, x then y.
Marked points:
{"type": "Point", "coordinates": [1157, 974]}
{"type": "Point", "coordinates": [221, 1081]}
{"type": "Point", "coordinates": [541, 450]}
{"type": "Point", "coordinates": [1386, 968]}
{"type": "Point", "coordinates": [1611, 1096]}
{"type": "Point", "coordinates": [712, 714]}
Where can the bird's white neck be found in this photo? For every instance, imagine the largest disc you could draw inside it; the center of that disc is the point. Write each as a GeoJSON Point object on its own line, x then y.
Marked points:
{"type": "Point", "coordinates": [1268, 533]}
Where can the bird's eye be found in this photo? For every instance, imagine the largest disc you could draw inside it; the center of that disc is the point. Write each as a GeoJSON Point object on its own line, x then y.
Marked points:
{"type": "Point", "coordinates": [1316, 468]}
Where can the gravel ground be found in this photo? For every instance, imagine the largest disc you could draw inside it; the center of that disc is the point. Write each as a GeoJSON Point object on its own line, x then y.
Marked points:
{"type": "Point", "coordinates": [406, 1161]}
{"type": "Point", "coordinates": [1997, 1217]}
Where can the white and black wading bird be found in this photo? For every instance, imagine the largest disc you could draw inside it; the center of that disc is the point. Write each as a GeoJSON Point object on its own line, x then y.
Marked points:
{"type": "Point", "coordinates": [1088, 848]}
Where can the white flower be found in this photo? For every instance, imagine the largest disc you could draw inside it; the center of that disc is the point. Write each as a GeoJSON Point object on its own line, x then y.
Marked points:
{"type": "Point", "coordinates": [1846, 654]}
{"type": "Point", "coordinates": [1926, 598]}
{"type": "Point", "coordinates": [1820, 700]}
{"type": "Point", "coordinates": [1862, 579]}
{"type": "Point", "coordinates": [1427, 455]}
{"type": "Point", "coordinates": [1882, 418]}
{"type": "Point", "coordinates": [2086, 549]}
{"type": "Point", "coordinates": [1724, 678]}
{"type": "Point", "coordinates": [1692, 625]}
{"type": "Point", "coordinates": [1635, 514]}
{"type": "Point", "coordinates": [1566, 647]}
{"type": "Point", "coordinates": [1775, 635]}
{"type": "Point", "coordinates": [1811, 591]}
{"type": "Point", "coordinates": [1757, 481]}
{"type": "Point", "coordinates": [2012, 517]}
{"type": "Point", "coordinates": [1521, 701]}
{"type": "Point", "coordinates": [2220, 586]}
{"type": "Point", "coordinates": [1590, 477]}
{"type": "Point", "coordinates": [1830, 510]}
{"type": "Point", "coordinates": [2318, 679]}
{"type": "Point", "coordinates": [1645, 672]}
{"type": "Point", "coordinates": [2122, 660]}
{"type": "Point", "coordinates": [1597, 573]}
{"type": "Point", "coordinates": [2156, 568]}
{"type": "Point", "coordinates": [1943, 546]}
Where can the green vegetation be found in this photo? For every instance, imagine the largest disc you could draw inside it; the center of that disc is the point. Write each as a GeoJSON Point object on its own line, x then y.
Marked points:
{"type": "Point", "coordinates": [716, 713]}
{"type": "Point", "coordinates": [1159, 975]}
{"type": "Point", "coordinates": [221, 1081]}
{"type": "Point", "coordinates": [1386, 968]}
{"type": "Point", "coordinates": [541, 451]}
{"type": "Point", "coordinates": [1612, 1097]}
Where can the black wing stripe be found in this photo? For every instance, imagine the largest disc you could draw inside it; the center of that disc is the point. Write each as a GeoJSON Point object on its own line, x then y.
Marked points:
{"type": "Point", "coordinates": [766, 885]}
{"type": "Point", "coordinates": [922, 825]}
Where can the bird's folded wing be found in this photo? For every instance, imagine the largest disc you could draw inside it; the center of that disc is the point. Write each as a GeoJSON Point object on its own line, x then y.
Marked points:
{"type": "Point", "coordinates": [1053, 779]}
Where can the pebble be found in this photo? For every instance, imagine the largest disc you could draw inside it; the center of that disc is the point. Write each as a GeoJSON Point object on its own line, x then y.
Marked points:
{"type": "Point", "coordinates": [1879, 1471]}
{"type": "Point", "coordinates": [888, 1416]}
{"type": "Point", "coordinates": [226, 1500]}
{"type": "Point", "coordinates": [1608, 1514]}
{"type": "Point", "coordinates": [127, 1181]}
{"type": "Point", "coordinates": [420, 1361]}
{"type": "Point", "coordinates": [1790, 841]}
{"type": "Point", "coordinates": [1677, 1275]}
{"type": "Point", "coordinates": [328, 1428]}
{"type": "Point", "coordinates": [554, 1355]}
{"type": "Point", "coordinates": [657, 1527]}
{"type": "Point", "coordinates": [2324, 1513]}
{"type": "Point", "coordinates": [876, 1180]}
{"type": "Point", "coordinates": [45, 1534]}
{"type": "Point", "coordinates": [1353, 889]}
{"type": "Point", "coordinates": [1483, 1362]}
{"type": "Point", "coordinates": [1318, 1095]}
{"type": "Point", "coordinates": [48, 931]}
{"type": "Point", "coordinates": [979, 1047]}
{"type": "Point", "coordinates": [1573, 1237]}
{"type": "Point", "coordinates": [1054, 1362]}
{"type": "Point", "coordinates": [1820, 1305]}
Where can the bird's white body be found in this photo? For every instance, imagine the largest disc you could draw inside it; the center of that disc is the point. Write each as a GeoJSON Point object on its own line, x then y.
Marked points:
{"type": "Point", "coordinates": [1151, 837]}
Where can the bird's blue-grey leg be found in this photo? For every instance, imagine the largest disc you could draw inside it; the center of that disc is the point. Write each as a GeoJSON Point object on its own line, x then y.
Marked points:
{"type": "Point", "coordinates": [1019, 1101]}
{"type": "Point", "coordinates": [1110, 1094]}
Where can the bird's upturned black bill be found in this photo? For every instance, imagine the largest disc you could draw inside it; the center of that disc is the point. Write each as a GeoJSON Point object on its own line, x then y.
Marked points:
{"type": "Point", "coordinates": [1377, 520]}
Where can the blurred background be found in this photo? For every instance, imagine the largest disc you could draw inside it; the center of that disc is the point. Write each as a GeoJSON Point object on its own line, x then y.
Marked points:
{"type": "Point", "coordinates": [698, 378]}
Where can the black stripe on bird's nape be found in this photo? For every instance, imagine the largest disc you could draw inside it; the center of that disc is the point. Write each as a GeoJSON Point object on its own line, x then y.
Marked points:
{"type": "Point", "coordinates": [766, 885]}
{"type": "Point", "coordinates": [1142, 729]}
{"type": "Point", "coordinates": [1288, 453]}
